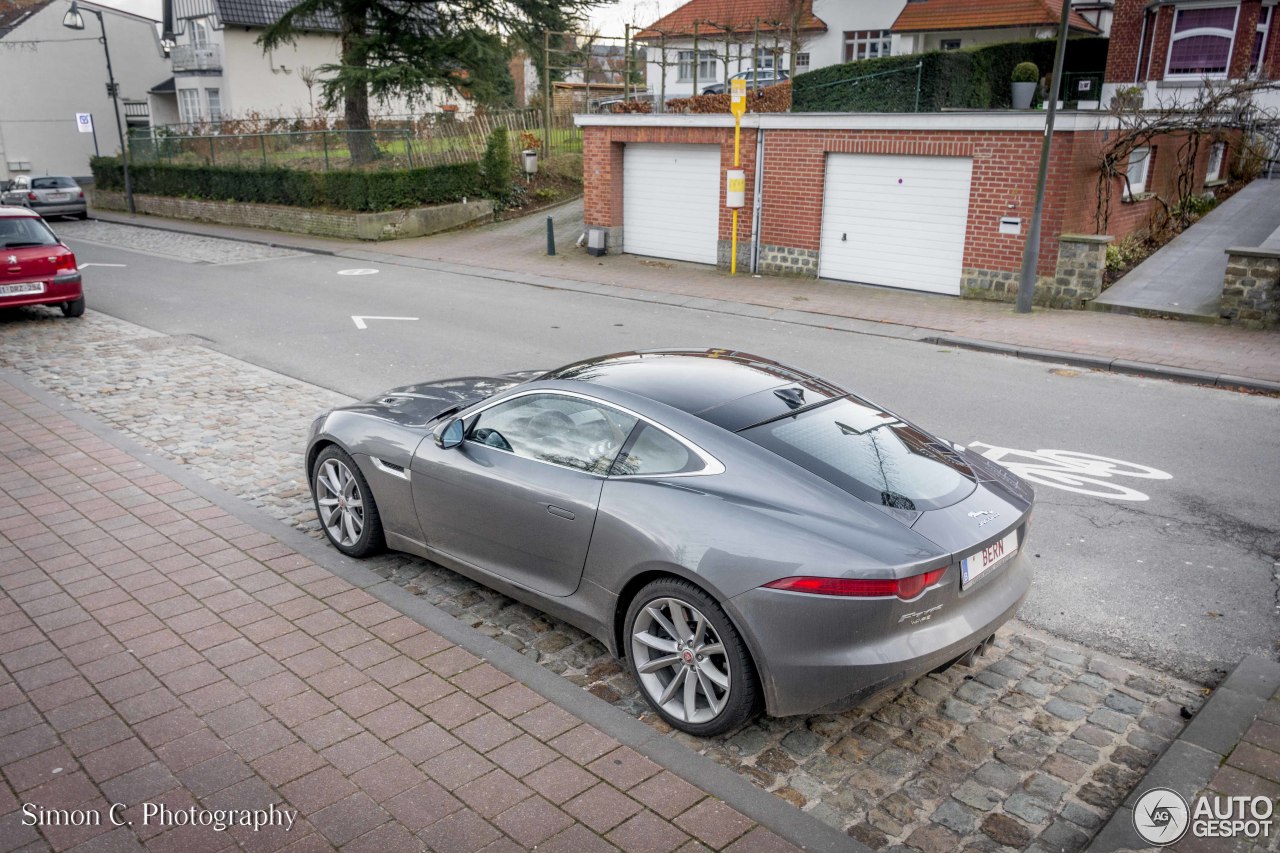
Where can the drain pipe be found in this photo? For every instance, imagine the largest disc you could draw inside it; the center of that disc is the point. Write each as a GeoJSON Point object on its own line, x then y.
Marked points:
{"type": "Point", "coordinates": [756, 201]}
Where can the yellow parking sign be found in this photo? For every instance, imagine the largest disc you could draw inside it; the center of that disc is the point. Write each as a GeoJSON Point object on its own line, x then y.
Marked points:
{"type": "Point", "coordinates": [738, 97]}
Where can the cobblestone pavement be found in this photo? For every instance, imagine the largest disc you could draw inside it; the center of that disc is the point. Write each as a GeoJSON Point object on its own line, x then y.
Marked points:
{"type": "Point", "coordinates": [1031, 749]}
{"type": "Point", "coordinates": [187, 247]}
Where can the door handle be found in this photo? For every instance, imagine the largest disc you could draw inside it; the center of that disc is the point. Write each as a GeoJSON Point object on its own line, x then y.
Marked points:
{"type": "Point", "coordinates": [563, 513]}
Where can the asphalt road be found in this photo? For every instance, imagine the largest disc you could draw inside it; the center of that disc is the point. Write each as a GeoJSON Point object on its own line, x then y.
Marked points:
{"type": "Point", "coordinates": [1184, 580]}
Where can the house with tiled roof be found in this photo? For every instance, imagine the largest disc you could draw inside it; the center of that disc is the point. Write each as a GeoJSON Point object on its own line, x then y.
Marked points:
{"type": "Point", "coordinates": [51, 73]}
{"type": "Point", "coordinates": [705, 41]}
{"type": "Point", "coordinates": [220, 70]}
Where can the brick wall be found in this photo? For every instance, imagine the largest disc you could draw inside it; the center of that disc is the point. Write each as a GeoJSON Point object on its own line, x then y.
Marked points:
{"type": "Point", "coordinates": [1126, 33]}
{"type": "Point", "coordinates": [1160, 42]}
{"type": "Point", "coordinates": [1005, 165]}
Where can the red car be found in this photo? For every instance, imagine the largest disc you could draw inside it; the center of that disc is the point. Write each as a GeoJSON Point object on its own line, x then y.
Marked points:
{"type": "Point", "coordinates": [36, 268]}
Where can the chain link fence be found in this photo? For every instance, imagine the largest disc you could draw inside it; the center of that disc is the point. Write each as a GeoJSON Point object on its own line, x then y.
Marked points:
{"type": "Point", "coordinates": [396, 142]}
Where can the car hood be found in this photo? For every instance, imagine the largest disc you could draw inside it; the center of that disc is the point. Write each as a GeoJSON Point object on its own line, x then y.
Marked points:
{"type": "Point", "coordinates": [425, 401]}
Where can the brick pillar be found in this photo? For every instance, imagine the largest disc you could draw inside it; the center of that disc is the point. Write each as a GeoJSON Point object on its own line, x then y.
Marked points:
{"type": "Point", "coordinates": [1246, 33]}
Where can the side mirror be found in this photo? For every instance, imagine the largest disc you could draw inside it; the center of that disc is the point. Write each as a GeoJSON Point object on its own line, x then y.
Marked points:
{"type": "Point", "coordinates": [451, 435]}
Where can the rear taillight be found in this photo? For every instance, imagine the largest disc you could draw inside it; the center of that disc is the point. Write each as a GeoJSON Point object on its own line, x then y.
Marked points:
{"type": "Point", "coordinates": [32, 197]}
{"type": "Point", "coordinates": [81, 193]}
{"type": "Point", "coordinates": [67, 263]}
{"type": "Point", "coordinates": [904, 588]}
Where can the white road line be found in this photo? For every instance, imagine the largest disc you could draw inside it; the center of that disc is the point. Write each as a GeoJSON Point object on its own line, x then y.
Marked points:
{"type": "Point", "coordinates": [359, 319]}
{"type": "Point", "coordinates": [82, 266]}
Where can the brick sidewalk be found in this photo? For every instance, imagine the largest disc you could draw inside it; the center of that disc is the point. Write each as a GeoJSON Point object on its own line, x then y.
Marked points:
{"type": "Point", "coordinates": [155, 650]}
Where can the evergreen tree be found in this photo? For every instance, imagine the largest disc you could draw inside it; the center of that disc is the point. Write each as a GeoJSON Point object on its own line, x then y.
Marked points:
{"type": "Point", "coordinates": [402, 48]}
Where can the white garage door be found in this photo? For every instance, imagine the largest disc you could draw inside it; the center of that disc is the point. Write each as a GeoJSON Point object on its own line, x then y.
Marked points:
{"type": "Point", "coordinates": [671, 201]}
{"type": "Point", "coordinates": [895, 220]}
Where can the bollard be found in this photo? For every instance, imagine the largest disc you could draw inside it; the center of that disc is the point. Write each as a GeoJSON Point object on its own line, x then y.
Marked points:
{"type": "Point", "coordinates": [551, 237]}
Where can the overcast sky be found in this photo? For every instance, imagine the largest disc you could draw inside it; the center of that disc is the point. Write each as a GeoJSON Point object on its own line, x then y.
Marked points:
{"type": "Point", "coordinates": [608, 18]}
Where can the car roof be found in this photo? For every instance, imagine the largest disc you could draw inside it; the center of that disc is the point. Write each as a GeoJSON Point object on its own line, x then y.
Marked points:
{"type": "Point", "coordinates": [10, 212]}
{"type": "Point", "coordinates": [729, 388]}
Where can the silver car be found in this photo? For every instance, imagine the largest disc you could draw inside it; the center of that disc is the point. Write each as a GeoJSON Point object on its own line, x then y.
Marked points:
{"type": "Point", "coordinates": [743, 533]}
{"type": "Point", "coordinates": [47, 195]}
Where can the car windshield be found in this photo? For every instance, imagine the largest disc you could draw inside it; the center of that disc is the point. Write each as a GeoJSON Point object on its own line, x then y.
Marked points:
{"type": "Point", "coordinates": [19, 231]}
{"type": "Point", "coordinates": [53, 184]}
{"type": "Point", "coordinates": [870, 453]}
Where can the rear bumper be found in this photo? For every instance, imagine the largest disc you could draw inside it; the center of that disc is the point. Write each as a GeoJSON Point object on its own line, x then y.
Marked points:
{"type": "Point", "coordinates": [63, 288]}
{"type": "Point", "coordinates": [61, 208]}
{"type": "Point", "coordinates": [822, 654]}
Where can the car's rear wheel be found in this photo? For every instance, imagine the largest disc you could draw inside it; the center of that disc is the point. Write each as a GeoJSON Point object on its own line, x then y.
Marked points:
{"type": "Point", "coordinates": [74, 308]}
{"type": "Point", "coordinates": [345, 504]}
{"type": "Point", "coordinates": [690, 661]}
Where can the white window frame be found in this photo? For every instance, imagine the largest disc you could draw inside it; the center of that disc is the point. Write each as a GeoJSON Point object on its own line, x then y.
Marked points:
{"type": "Point", "coordinates": [802, 62]}
{"type": "Point", "coordinates": [1138, 171]}
{"type": "Point", "coordinates": [1175, 37]}
{"type": "Point", "coordinates": [189, 106]}
{"type": "Point", "coordinates": [214, 98]}
{"type": "Point", "coordinates": [949, 44]}
{"type": "Point", "coordinates": [707, 70]}
{"type": "Point", "coordinates": [1217, 154]}
{"type": "Point", "coordinates": [199, 32]}
{"type": "Point", "coordinates": [854, 39]}
{"type": "Point", "coordinates": [1263, 33]}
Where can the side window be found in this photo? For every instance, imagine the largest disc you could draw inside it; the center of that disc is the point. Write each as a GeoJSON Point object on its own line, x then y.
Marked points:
{"type": "Point", "coordinates": [561, 430]}
{"type": "Point", "coordinates": [655, 452]}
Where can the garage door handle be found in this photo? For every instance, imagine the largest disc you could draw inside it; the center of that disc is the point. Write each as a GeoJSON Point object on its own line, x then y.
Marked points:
{"type": "Point", "coordinates": [563, 513]}
{"type": "Point", "coordinates": [844, 237]}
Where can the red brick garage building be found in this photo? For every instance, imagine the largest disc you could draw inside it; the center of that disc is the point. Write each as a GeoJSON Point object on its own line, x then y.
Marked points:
{"type": "Point", "coordinates": [939, 202]}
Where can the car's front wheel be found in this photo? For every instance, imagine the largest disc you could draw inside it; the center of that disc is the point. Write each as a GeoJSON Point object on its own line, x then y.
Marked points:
{"type": "Point", "coordinates": [74, 308]}
{"type": "Point", "coordinates": [345, 504]}
{"type": "Point", "coordinates": [690, 661]}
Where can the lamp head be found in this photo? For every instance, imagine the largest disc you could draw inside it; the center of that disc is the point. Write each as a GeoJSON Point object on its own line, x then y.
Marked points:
{"type": "Point", "coordinates": [73, 20]}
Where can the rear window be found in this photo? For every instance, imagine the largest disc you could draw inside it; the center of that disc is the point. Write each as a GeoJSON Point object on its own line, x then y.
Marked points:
{"type": "Point", "coordinates": [870, 453]}
{"type": "Point", "coordinates": [18, 231]}
{"type": "Point", "coordinates": [53, 184]}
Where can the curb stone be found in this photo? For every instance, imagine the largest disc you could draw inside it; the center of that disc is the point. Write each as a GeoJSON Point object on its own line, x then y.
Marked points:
{"type": "Point", "coordinates": [1192, 760]}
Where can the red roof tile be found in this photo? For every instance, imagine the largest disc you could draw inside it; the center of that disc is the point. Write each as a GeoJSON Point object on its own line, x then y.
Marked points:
{"type": "Point", "coordinates": [715, 16]}
{"type": "Point", "coordinates": [936, 15]}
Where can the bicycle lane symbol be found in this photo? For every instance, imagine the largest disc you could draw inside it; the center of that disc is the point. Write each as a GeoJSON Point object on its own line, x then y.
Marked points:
{"type": "Point", "coordinates": [1081, 473]}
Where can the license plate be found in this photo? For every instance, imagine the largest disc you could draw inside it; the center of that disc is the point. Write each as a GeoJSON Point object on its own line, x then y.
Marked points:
{"type": "Point", "coordinates": [997, 552]}
{"type": "Point", "coordinates": [26, 287]}
{"type": "Point", "coordinates": [59, 196]}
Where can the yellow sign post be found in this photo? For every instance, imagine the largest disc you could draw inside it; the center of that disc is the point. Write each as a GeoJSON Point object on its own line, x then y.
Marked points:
{"type": "Point", "coordinates": [736, 180]}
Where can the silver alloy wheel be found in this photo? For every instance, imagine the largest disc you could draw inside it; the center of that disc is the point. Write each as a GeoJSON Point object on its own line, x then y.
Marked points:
{"type": "Point", "coordinates": [681, 660]}
{"type": "Point", "coordinates": [340, 501]}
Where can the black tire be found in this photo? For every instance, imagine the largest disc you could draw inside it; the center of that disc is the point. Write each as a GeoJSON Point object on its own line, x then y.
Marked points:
{"type": "Point", "coordinates": [84, 215]}
{"type": "Point", "coordinates": [740, 698]}
{"type": "Point", "coordinates": [74, 308]}
{"type": "Point", "coordinates": [336, 477]}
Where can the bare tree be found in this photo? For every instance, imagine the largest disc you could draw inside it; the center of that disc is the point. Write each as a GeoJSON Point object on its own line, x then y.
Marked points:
{"type": "Point", "coordinates": [735, 31]}
{"type": "Point", "coordinates": [309, 77]}
{"type": "Point", "coordinates": [789, 18]}
{"type": "Point", "coordinates": [1217, 111]}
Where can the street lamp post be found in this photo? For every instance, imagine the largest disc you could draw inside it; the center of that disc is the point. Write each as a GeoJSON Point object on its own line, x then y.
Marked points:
{"type": "Point", "coordinates": [73, 20]}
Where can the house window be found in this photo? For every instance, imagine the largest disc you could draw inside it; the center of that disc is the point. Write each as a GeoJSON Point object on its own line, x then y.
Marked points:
{"type": "Point", "coordinates": [706, 67]}
{"type": "Point", "coordinates": [1216, 153]}
{"type": "Point", "coordinates": [1139, 170]}
{"type": "Point", "coordinates": [764, 58]}
{"type": "Point", "coordinates": [1201, 43]}
{"type": "Point", "coordinates": [950, 44]}
{"type": "Point", "coordinates": [199, 32]}
{"type": "Point", "coordinates": [865, 44]}
{"type": "Point", "coordinates": [1260, 40]}
{"type": "Point", "coordinates": [215, 104]}
{"type": "Point", "coordinates": [802, 63]}
{"type": "Point", "coordinates": [189, 105]}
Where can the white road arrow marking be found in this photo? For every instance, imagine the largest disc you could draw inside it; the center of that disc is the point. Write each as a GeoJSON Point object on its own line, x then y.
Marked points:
{"type": "Point", "coordinates": [359, 319]}
{"type": "Point", "coordinates": [82, 266]}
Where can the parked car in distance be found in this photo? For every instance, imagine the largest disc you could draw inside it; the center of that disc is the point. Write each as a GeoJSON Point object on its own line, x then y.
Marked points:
{"type": "Point", "coordinates": [743, 533]}
{"type": "Point", "coordinates": [756, 79]}
{"type": "Point", "coordinates": [49, 195]}
{"type": "Point", "coordinates": [36, 268]}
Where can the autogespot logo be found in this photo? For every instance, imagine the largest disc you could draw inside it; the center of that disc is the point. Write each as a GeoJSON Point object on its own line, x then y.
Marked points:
{"type": "Point", "coordinates": [1161, 816]}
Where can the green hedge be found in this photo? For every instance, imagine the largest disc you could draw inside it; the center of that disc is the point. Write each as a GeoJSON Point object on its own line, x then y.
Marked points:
{"type": "Point", "coordinates": [339, 190]}
{"type": "Point", "coordinates": [974, 78]}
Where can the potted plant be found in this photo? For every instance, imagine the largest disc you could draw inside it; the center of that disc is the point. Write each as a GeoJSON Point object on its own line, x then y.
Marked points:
{"type": "Point", "coordinates": [1026, 76]}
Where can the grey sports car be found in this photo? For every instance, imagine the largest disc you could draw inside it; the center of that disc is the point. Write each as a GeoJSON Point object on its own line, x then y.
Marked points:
{"type": "Point", "coordinates": [741, 532]}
